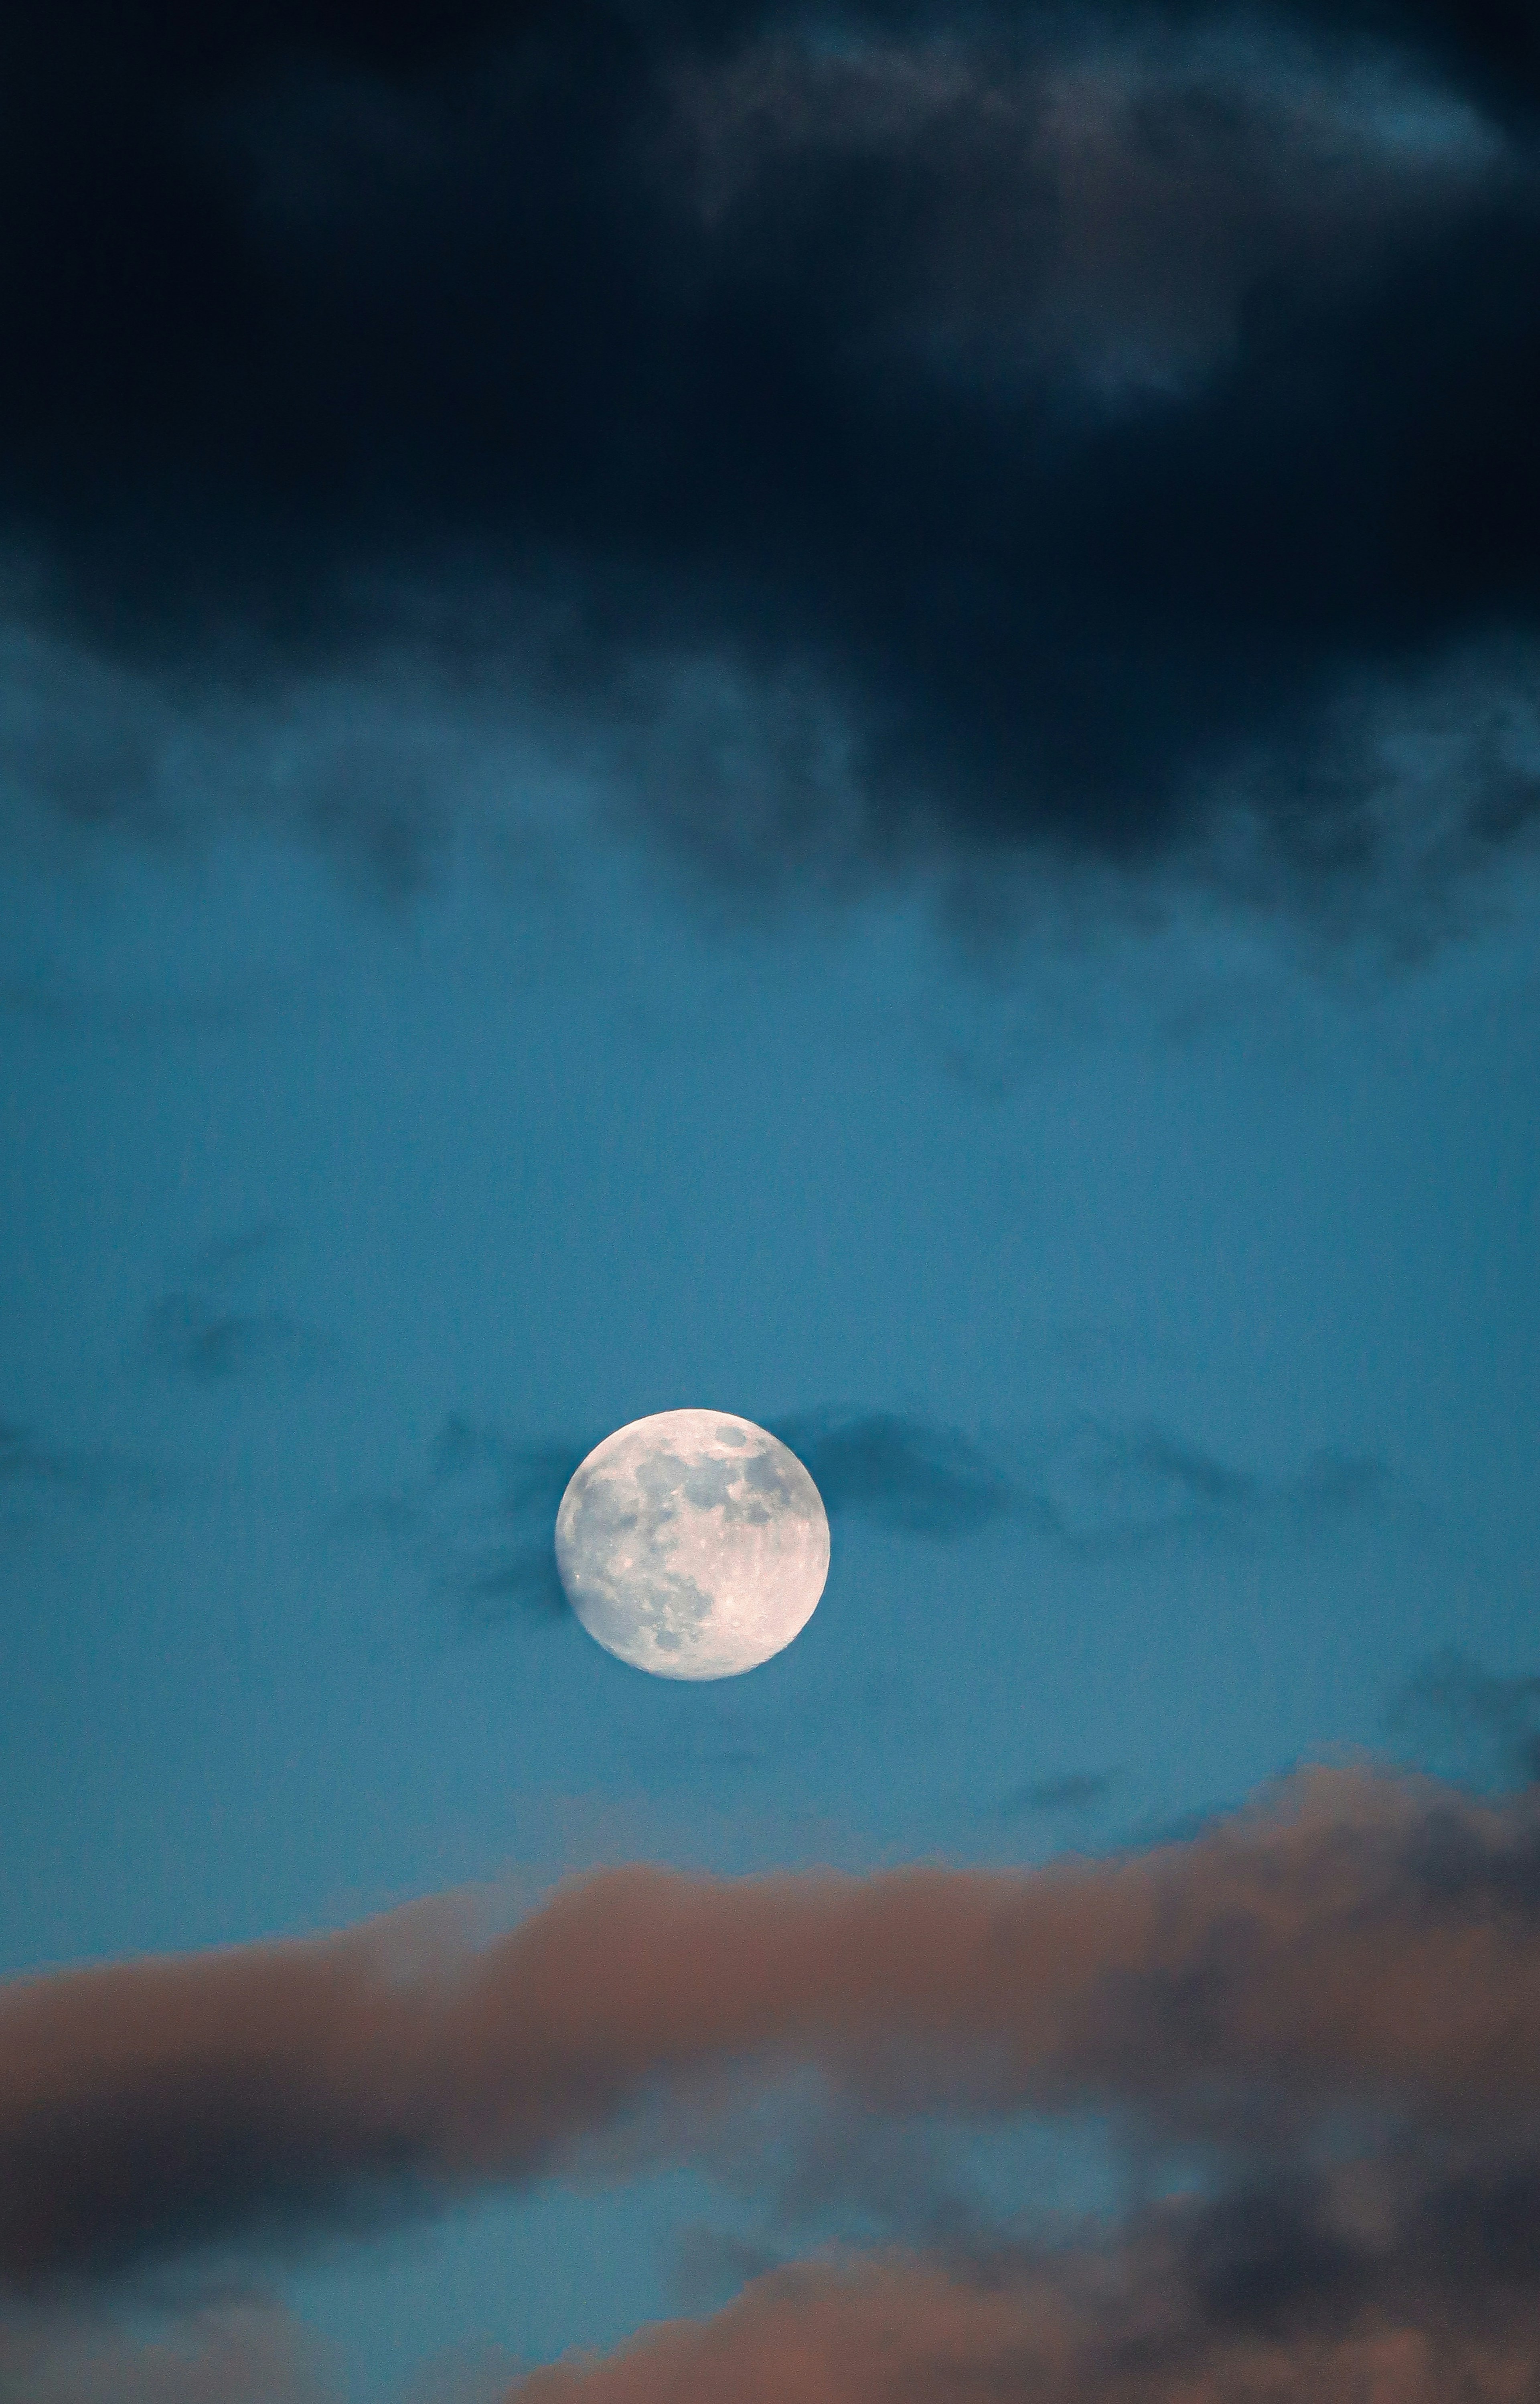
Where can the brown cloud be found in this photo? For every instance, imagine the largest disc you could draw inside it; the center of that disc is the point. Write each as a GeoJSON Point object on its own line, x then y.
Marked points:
{"type": "Point", "coordinates": [247, 2352]}
{"type": "Point", "coordinates": [1079, 2332]}
{"type": "Point", "coordinates": [1356, 1942]}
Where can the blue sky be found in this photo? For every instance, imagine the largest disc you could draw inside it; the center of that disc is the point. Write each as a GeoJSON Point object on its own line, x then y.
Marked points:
{"type": "Point", "coordinates": [1181, 1326]}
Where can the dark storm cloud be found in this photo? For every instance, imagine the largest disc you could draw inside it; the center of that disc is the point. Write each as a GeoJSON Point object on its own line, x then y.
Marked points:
{"type": "Point", "coordinates": [1106, 433]}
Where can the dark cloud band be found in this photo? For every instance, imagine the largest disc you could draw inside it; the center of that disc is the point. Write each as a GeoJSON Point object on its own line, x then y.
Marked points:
{"type": "Point", "coordinates": [1024, 431]}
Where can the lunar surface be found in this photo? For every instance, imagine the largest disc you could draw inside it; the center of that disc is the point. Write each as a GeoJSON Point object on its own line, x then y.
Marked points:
{"type": "Point", "coordinates": [692, 1544]}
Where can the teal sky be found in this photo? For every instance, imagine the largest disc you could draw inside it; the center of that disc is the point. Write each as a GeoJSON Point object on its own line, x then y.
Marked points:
{"type": "Point", "coordinates": [1174, 1294]}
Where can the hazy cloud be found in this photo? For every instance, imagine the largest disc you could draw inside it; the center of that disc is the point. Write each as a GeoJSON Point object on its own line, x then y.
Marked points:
{"type": "Point", "coordinates": [36, 1474]}
{"type": "Point", "coordinates": [240, 2353]}
{"type": "Point", "coordinates": [972, 438]}
{"type": "Point", "coordinates": [478, 1524]}
{"type": "Point", "coordinates": [1102, 1487]}
{"type": "Point", "coordinates": [214, 1332]}
{"type": "Point", "coordinates": [1495, 1721]}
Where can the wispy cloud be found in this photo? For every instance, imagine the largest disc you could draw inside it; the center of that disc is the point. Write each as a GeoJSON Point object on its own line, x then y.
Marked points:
{"type": "Point", "coordinates": [38, 1476]}
{"type": "Point", "coordinates": [187, 1335]}
{"type": "Point", "coordinates": [1074, 1790]}
{"type": "Point", "coordinates": [477, 1525]}
{"type": "Point", "coordinates": [1102, 1487]}
{"type": "Point", "coordinates": [213, 1331]}
{"type": "Point", "coordinates": [1090, 1489]}
{"type": "Point", "coordinates": [902, 1471]}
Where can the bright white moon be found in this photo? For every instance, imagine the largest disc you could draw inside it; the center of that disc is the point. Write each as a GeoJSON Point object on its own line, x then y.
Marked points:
{"type": "Point", "coordinates": [692, 1544]}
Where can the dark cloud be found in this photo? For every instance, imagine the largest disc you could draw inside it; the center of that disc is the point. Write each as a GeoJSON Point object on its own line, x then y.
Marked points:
{"type": "Point", "coordinates": [1099, 433]}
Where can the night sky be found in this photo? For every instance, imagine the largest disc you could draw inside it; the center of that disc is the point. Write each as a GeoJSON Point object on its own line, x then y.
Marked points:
{"type": "Point", "coordinates": [836, 714]}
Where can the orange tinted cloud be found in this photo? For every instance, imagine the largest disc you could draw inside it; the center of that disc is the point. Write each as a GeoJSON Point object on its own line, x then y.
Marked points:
{"type": "Point", "coordinates": [1355, 1940]}
{"type": "Point", "coordinates": [912, 2333]}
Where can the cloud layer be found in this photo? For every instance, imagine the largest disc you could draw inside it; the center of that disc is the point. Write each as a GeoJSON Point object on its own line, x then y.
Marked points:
{"type": "Point", "coordinates": [1097, 434]}
{"type": "Point", "coordinates": [1322, 2017]}
{"type": "Point", "coordinates": [1359, 1945]}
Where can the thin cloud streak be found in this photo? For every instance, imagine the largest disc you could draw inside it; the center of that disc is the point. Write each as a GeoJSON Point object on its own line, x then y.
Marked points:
{"type": "Point", "coordinates": [478, 1523]}
{"type": "Point", "coordinates": [37, 1475]}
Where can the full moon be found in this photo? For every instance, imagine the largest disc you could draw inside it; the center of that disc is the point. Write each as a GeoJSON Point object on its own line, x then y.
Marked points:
{"type": "Point", "coordinates": [692, 1544]}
